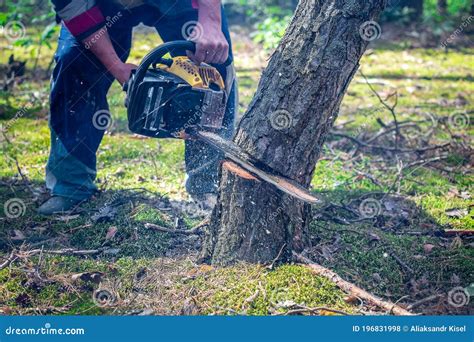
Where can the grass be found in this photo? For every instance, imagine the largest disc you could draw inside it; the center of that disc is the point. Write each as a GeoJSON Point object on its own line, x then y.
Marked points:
{"type": "Point", "coordinates": [146, 174]}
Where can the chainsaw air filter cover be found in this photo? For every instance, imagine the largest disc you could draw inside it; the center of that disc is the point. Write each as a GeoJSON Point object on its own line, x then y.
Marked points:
{"type": "Point", "coordinates": [166, 97]}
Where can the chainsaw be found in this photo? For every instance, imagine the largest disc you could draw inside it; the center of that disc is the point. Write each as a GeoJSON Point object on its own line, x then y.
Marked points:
{"type": "Point", "coordinates": [169, 96]}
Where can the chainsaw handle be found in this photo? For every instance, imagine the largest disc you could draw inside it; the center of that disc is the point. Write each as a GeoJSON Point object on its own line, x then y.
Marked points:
{"type": "Point", "coordinates": [154, 56]}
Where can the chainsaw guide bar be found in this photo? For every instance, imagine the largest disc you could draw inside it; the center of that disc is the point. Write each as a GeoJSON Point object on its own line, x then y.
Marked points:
{"type": "Point", "coordinates": [250, 164]}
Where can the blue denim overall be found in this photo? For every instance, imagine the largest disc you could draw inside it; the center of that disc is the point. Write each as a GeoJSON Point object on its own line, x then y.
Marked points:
{"type": "Point", "coordinates": [79, 89]}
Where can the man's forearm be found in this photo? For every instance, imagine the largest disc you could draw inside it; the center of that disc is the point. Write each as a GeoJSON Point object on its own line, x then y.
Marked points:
{"type": "Point", "coordinates": [210, 12]}
{"type": "Point", "coordinates": [211, 44]}
{"type": "Point", "coordinates": [100, 45]}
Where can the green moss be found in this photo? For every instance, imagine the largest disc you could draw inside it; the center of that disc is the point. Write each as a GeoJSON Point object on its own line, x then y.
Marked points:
{"type": "Point", "coordinates": [255, 291]}
{"type": "Point", "coordinates": [428, 82]}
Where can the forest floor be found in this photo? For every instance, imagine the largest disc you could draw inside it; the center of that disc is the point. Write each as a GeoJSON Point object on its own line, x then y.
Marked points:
{"type": "Point", "coordinates": [392, 203]}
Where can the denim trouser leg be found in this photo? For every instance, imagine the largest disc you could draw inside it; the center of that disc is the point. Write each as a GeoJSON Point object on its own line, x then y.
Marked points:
{"type": "Point", "coordinates": [78, 107]}
{"type": "Point", "coordinates": [78, 115]}
{"type": "Point", "coordinates": [203, 161]}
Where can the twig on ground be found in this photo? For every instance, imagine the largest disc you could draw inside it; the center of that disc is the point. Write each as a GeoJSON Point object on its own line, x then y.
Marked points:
{"type": "Point", "coordinates": [460, 232]}
{"type": "Point", "coordinates": [26, 254]}
{"type": "Point", "coordinates": [351, 288]}
{"type": "Point", "coordinates": [194, 231]}
{"type": "Point", "coordinates": [8, 260]}
{"type": "Point", "coordinates": [391, 108]}
{"type": "Point", "coordinates": [424, 162]}
{"type": "Point", "coordinates": [369, 177]}
{"type": "Point", "coordinates": [66, 251]}
{"type": "Point", "coordinates": [45, 310]}
{"type": "Point", "coordinates": [389, 130]}
{"type": "Point", "coordinates": [424, 300]}
{"type": "Point", "coordinates": [388, 148]}
{"type": "Point", "coordinates": [300, 309]}
{"type": "Point", "coordinates": [270, 267]}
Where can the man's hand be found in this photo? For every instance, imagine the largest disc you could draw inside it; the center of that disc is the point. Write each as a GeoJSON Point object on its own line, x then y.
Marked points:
{"type": "Point", "coordinates": [211, 44]}
{"type": "Point", "coordinates": [122, 71]}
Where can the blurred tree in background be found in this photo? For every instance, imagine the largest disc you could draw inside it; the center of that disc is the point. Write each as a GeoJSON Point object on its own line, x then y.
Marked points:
{"type": "Point", "coordinates": [269, 18]}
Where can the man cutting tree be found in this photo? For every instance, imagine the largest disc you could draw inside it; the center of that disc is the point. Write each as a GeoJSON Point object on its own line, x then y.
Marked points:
{"type": "Point", "coordinates": [93, 47]}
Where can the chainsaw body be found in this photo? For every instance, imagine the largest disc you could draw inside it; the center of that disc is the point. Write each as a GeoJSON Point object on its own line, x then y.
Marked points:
{"type": "Point", "coordinates": [168, 96]}
{"type": "Point", "coordinates": [174, 98]}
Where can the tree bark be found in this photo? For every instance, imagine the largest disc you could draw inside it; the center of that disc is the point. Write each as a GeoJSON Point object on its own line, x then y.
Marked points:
{"type": "Point", "coordinates": [295, 106]}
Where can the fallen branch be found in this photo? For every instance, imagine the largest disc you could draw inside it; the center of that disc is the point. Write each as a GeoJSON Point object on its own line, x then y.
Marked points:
{"type": "Point", "coordinates": [388, 148]}
{"type": "Point", "coordinates": [299, 310]}
{"type": "Point", "coordinates": [352, 289]}
{"type": "Point", "coordinates": [44, 311]}
{"type": "Point", "coordinates": [460, 232]}
{"type": "Point", "coordinates": [400, 262]}
{"type": "Point", "coordinates": [66, 251]}
{"type": "Point", "coordinates": [8, 260]}
{"type": "Point", "coordinates": [424, 301]}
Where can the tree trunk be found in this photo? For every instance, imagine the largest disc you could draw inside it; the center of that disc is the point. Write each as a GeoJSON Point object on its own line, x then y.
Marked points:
{"type": "Point", "coordinates": [443, 7]}
{"type": "Point", "coordinates": [295, 106]}
{"type": "Point", "coordinates": [415, 5]}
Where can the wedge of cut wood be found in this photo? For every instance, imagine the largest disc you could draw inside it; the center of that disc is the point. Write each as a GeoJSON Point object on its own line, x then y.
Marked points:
{"type": "Point", "coordinates": [256, 168]}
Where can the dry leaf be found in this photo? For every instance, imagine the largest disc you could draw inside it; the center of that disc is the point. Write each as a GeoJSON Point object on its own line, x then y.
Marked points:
{"type": "Point", "coordinates": [19, 236]}
{"type": "Point", "coordinates": [111, 233]}
{"type": "Point", "coordinates": [351, 299]}
{"type": "Point", "coordinates": [427, 248]}
{"type": "Point", "coordinates": [94, 277]}
{"type": "Point", "coordinates": [323, 312]}
{"type": "Point", "coordinates": [120, 172]}
{"type": "Point", "coordinates": [456, 212]}
{"type": "Point", "coordinates": [5, 310]}
{"type": "Point", "coordinates": [456, 243]}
